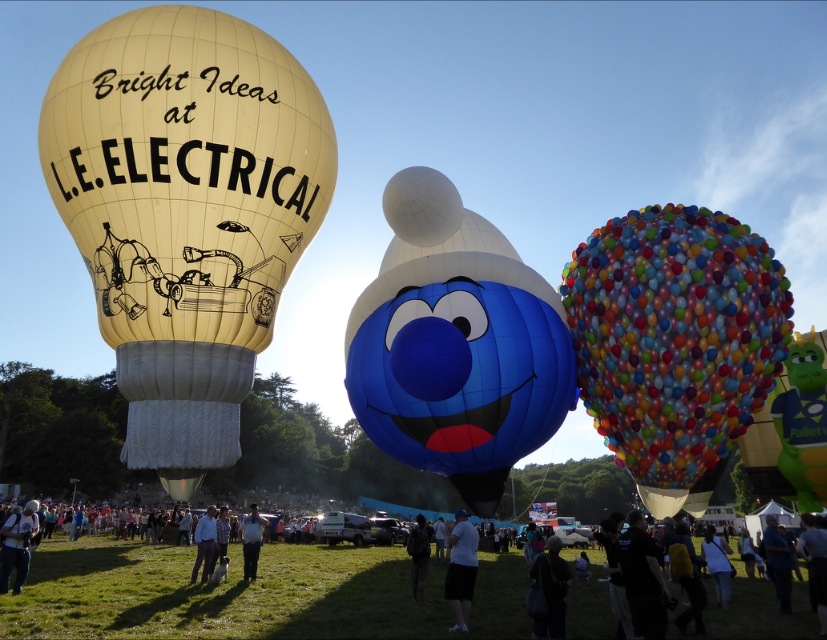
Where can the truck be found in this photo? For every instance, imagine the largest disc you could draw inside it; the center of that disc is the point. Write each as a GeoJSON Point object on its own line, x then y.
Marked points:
{"type": "Point", "coordinates": [339, 526]}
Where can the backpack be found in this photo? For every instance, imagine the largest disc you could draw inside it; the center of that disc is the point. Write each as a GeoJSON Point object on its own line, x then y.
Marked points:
{"type": "Point", "coordinates": [538, 543]}
{"type": "Point", "coordinates": [419, 543]}
{"type": "Point", "coordinates": [680, 563]}
{"type": "Point", "coordinates": [16, 522]}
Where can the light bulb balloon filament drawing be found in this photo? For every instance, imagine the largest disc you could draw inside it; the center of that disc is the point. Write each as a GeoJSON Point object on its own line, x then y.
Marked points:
{"type": "Point", "coordinates": [119, 263]}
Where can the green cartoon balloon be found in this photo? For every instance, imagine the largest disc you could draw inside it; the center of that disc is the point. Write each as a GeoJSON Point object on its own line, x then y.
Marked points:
{"type": "Point", "coordinates": [800, 418]}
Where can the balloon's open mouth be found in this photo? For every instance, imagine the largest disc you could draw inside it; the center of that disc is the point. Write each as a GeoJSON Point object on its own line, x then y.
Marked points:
{"type": "Point", "coordinates": [459, 432]}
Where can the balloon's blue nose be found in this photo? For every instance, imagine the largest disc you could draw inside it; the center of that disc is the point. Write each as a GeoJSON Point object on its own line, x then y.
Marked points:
{"type": "Point", "coordinates": [430, 359]}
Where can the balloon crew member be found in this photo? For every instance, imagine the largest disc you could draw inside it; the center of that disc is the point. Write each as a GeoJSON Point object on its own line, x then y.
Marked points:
{"type": "Point", "coordinates": [17, 533]}
{"type": "Point", "coordinates": [419, 548]}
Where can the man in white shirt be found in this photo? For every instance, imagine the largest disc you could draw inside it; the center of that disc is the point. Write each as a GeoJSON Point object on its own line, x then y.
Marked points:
{"type": "Point", "coordinates": [252, 530]}
{"type": "Point", "coordinates": [462, 572]}
{"type": "Point", "coordinates": [19, 529]}
{"type": "Point", "coordinates": [206, 537]}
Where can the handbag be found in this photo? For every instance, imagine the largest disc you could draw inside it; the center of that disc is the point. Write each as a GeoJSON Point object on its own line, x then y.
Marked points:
{"type": "Point", "coordinates": [536, 605]}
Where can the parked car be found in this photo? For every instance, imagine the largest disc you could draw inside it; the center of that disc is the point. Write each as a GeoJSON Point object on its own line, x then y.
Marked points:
{"type": "Point", "coordinates": [574, 539]}
{"type": "Point", "coordinates": [339, 526]}
{"type": "Point", "coordinates": [388, 531]}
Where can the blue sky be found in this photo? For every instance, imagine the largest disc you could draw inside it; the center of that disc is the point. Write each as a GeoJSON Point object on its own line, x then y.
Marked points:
{"type": "Point", "coordinates": [549, 117]}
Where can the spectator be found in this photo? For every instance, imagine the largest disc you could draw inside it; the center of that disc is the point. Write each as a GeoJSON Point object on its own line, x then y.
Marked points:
{"type": "Point", "coordinates": [462, 572]}
{"type": "Point", "coordinates": [222, 526]}
{"type": "Point", "coordinates": [715, 550]}
{"type": "Point", "coordinates": [184, 525]}
{"type": "Point", "coordinates": [780, 562]}
{"type": "Point", "coordinates": [419, 548]}
{"type": "Point", "coordinates": [252, 533]}
{"type": "Point", "coordinates": [206, 537]}
{"type": "Point", "coordinates": [19, 529]}
{"type": "Point", "coordinates": [692, 586]}
{"type": "Point", "coordinates": [747, 552]}
{"type": "Point", "coordinates": [608, 537]}
{"type": "Point", "coordinates": [555, 574]}
{"type": "Point", "coordinates": [439, 537]}
{"type": "Point", "coordinates": [646, 587]}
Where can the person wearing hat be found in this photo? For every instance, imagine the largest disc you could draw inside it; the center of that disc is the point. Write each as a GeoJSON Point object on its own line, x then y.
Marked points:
{"type": "Point", "coordinates": [462, 572]}
{"type": "Point", "coordinates": [252, 533]}
{"type": "Point", "coordinates": [18, 530]}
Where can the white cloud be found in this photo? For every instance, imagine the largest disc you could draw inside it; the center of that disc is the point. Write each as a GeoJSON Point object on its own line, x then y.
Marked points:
{"type": "Point", "coordinates": [786, 149]}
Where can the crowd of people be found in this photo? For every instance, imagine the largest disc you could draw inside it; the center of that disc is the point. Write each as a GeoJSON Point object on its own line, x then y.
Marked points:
{"type": "Point", "coordinates": [650, 570]}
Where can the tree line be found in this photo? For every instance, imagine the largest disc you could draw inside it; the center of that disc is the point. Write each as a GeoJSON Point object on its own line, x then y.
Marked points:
{"type": "Point", "coordinates": [54, 428]}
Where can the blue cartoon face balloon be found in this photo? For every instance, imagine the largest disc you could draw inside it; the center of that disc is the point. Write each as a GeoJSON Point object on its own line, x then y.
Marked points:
{"type": "Point", "coordinates": [461, 376]}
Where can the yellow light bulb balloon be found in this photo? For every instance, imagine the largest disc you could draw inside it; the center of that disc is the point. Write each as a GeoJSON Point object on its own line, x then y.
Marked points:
{"type": "Point", "coordinates": [192, 159]}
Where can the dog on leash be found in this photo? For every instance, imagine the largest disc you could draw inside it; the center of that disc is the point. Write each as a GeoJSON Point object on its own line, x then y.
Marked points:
{"type": "Point", "coordinates": [221, 571]}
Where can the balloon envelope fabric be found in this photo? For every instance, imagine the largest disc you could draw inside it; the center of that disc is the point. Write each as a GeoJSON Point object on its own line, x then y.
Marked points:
{"type": "Point", "coordinates": [680, 319]}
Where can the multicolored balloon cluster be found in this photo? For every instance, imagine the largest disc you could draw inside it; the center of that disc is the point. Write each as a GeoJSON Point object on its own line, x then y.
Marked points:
{"type": "Point", "coordinates": [681, 320]}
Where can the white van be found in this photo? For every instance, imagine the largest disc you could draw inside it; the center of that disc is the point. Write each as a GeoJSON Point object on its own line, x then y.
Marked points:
{"type": "Point", "coordinates": [339, 526]}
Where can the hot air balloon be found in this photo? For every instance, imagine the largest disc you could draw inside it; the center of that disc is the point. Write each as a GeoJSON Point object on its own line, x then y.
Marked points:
{"type": "Point", "coordinates": [192, 159]}
{"type": "Point", "coordinates": [457, 359]}
{"type": "Point", "coordinates": [681, 321]}
{"type": "Point", "coordinates": [785, 451]}
{"type": "Point", "coordinates": [701, 492]}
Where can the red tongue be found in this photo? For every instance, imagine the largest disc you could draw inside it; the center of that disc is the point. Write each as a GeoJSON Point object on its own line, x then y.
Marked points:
{"type": "Point", "coordinates": [458, 438]}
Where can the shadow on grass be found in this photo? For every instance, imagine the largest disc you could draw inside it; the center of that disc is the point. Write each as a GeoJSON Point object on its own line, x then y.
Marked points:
{"type": "Point", "coordinates": [81, 561]}
{"type": "Point", "coordinates": [144, 613]}
{"type": "Point", "coordinates": [380, 602]}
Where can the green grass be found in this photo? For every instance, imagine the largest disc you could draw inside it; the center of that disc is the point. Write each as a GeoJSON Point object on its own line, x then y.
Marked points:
{"type": "Point", "coordinates": [102, 588]}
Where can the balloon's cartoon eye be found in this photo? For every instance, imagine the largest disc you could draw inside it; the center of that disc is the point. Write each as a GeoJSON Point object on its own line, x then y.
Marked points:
{"type": "Point", "coordinates": [465, 312]}
{"type": "Point", "coordinates": [804, 358]}
{"type": "Point", "coordinates": [460, 308]}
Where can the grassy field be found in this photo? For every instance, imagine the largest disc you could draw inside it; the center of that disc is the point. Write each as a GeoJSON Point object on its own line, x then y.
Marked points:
{"type": "Point", "coordinates": [102, 588]}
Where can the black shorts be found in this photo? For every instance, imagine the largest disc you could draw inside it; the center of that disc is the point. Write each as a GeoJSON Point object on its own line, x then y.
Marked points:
{"type": "Point", "coordinates": [460, 581]}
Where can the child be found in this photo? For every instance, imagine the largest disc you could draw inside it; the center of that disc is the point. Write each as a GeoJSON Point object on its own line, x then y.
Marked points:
{"type": "Point", "coordinates": [582, 567]}
{"type": "Point", "coordinates": [759, 565]}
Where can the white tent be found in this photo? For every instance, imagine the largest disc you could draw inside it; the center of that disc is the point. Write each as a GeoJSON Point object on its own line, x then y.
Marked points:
{"type": "Point", "coordinates": [757, 520]}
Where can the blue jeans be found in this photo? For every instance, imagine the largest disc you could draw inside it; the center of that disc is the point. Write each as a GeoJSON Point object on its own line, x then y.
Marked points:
{"type": "Point", "coordinates": [18, 559]}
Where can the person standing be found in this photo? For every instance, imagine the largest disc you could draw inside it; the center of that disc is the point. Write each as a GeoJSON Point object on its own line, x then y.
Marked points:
{"type": "Point", "coordinates": [813, 548]}
{"type": "Point", "coordinates": [715, 550]}
{"type": "Point", "coordinates": [206, 537]}
{"type": "Point", "coordinates": [77, 524]}
{"type": "Point", "coordinates": [747, 552]}
{"type": "Point", "coordinates": [646, 587]}
{"type": "Point", "coordinates": [462, 572]}
{"type": "Point", "coordinates": [692, 585]}
{"type": "Point", "coordinates": [222, 527]}
{"type": "Point", "coordinates": [151, 527]}
{"type": "Point", "coordinates": [419, 548]}
{"type": "Point", "coordinates": [439, 537]}
{"type": "Point", "coordinates": [184, 525]}
{"type": "Point", "coordinates": [252, 532]}
{"type": "Point", "coordinates": [19, 529]}
{"type": "Point", "coordinates": [51, 522]}
{"type": "Point", "coordinates": [618, 602]}
{"type": "Point", "coordinates": [555, 574]}
{"type": "Point", "coordinates": [780, 562]}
